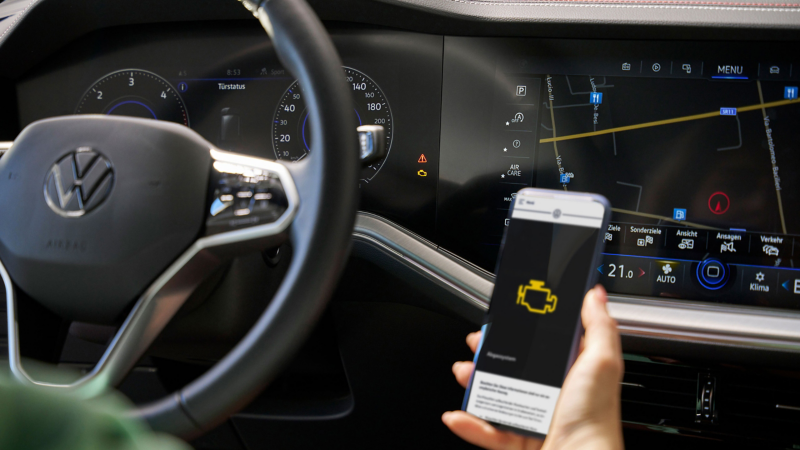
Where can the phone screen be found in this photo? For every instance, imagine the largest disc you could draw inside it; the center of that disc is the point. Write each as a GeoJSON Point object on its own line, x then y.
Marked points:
{"type": "Point", "coordinates": [532, 332]}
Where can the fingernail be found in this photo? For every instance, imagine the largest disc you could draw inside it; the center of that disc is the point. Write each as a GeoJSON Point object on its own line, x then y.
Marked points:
{"type": "Point", "coordinates": [446, 416]}
{"type": "Point", "coordinates": [596, 292]}
{"type": "Point", "coordinates": [455, 365]}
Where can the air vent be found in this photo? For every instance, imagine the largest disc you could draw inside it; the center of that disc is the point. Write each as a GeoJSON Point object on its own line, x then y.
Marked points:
{"type": "Point", "coordinates": [770, 404]}
{"type": "Point", "coordinates": [658, 394]}
{"type": "Point", "coordinates": [758, 409]}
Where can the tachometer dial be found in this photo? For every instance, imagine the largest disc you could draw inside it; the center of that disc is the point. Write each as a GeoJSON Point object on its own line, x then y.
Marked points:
{"type": "Point", "coordinates": [291, 134]}
{"type": "Point", "coordinates": [135, 93]}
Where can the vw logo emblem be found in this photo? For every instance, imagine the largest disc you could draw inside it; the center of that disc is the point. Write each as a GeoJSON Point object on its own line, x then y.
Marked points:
{"type": "Point", "coordinates": [78, 182]}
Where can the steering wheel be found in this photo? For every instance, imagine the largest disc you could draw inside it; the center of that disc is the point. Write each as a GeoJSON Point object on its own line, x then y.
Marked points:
{"type": "Point", "coordinates": [104, 216]}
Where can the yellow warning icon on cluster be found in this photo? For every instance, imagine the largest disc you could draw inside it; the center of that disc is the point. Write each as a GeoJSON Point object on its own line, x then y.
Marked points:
{"type": "Point", "coordinates": [536, 286]}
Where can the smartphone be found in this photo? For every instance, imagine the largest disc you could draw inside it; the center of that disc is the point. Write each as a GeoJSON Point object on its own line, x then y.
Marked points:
{"type": "Point", "coordinates": [550, 251]}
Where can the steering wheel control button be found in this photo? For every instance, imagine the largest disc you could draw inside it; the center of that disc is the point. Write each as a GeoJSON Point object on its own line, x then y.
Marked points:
{"type": "Point", "coordinates": [712, 274]}
{"type": "Point", "coordinates": [372, 144]}
{"type": "Point", "coordinates": [78, 182]}
{"type": "Point", "coordinates": [243, 196]}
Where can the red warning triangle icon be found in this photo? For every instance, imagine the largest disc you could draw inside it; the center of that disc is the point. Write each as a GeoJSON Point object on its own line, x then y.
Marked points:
{"type": "Point", "coordinates": [422, 159]}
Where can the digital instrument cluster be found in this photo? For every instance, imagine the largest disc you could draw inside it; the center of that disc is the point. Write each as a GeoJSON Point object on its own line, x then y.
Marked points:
{"type": "Point", "coordinates": [291, 135]}
{"type": "Point", "coordinates": [134, 93]}
{"type": "Point", "coordinates": [144, 94]}
{"type": "Point", "coordinates": [226, 83]}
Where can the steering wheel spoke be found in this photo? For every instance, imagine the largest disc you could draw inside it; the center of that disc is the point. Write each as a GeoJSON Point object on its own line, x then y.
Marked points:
{"type": "Point", "coordinates": [252, 204]}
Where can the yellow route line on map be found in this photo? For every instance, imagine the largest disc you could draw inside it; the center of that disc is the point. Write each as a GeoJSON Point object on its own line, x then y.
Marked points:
{"type": "Point", "coordinates": [668, 121]}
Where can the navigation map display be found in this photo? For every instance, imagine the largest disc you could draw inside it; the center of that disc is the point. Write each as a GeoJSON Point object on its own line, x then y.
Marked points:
{"type": "Point", "coordinates": [698, 153]}
{"type": "Point", "coordinates": [690, 152]}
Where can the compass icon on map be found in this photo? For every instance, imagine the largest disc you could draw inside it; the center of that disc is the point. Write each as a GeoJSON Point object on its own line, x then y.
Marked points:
{"type": "Point", "coordinates": [719, 203]}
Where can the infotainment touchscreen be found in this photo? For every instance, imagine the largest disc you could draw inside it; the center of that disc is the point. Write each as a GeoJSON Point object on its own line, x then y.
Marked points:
{"type": "Point", "coordinates": [696, 147]}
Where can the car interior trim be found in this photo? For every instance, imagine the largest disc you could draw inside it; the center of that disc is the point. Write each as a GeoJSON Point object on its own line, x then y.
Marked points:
{"type": "Point", "coordinates": [163, 298]}
{"type": "Point", "coordinates": [477, 301]}
{"type": "Point", "coordinates": [472, 282]}
{"type": "Point", "coordinates": [667, 13]}
{"type": "Point", "coordinates": [655, 318]}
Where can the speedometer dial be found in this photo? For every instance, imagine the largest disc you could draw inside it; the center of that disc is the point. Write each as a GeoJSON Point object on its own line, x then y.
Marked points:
{"type": "Point", "coordinates": [135, 93]}
{"type": "Point", "coordinates": [291, 134]}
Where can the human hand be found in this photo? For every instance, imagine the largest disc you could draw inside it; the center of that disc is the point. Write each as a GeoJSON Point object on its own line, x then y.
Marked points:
{"type": "Point", "coordinates": [587, 415]}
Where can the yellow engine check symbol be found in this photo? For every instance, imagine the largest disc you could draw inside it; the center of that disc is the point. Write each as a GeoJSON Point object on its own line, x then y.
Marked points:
{"type": "Point", "coordinates": [536, 286]}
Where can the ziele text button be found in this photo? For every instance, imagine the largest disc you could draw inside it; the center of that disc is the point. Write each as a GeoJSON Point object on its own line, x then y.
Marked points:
{"type": "Point", "coordinates": [614, 235]}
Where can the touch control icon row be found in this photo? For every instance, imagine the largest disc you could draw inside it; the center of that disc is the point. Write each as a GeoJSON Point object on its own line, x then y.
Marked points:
{"type": "Point", "coordinates": [709, 279]}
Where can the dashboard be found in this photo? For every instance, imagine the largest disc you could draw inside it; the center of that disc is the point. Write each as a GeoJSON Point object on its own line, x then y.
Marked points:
{"type": "Point", "coordinates": [695, 144]}
{"type": "Point", "coordinates": [226, 83]}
